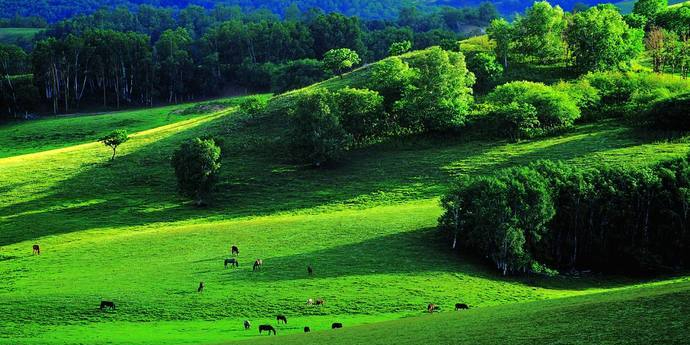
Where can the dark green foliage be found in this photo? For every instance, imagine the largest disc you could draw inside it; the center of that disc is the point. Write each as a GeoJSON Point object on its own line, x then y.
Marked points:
{"type": "Point", "coordinates": [501, 217]}
{"type": "Point", "coordinates": [611, 219]}
{"type": "Point", "coordinates": [297, 74]}
{"type": "Point", "coordinates": [362, 114]}
{"type": "Point", "coordinates": [514, 120]}
{"type": "Point", "coordinates": [196, 163]}
{"type": "Point", "coordinates": [554, 110]}
{"type": "Point", "coordinates": [671, 113]}
{"type": "Point", "coordinates": [486, 69]}
{"type": "Point", "coordinates": [316, 131]}
{"type": "Point", "coordinates": [114, 140]}
{"type": "Point", "coordinates": [649, 8]}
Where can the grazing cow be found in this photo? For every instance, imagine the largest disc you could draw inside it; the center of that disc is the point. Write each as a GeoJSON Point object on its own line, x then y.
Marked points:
{"type": "Point", "coordinates": [107, 304]}
{"type": "Point", "coordinates": [310, 301]}
{"type": "Point", "coordinates": [431, 308]}
{"type": "Point", "coordinates": [319, 301]}
{"type": "Point", "coordinates": [268, 328]}
{"type": "Point", "coordinates": [232, 262]}
{"type": "Point", "coordinates": [247, 325]}
{"type": "Point", "coordinates": [201, 287]}
{"type": "Point", "coordinates": [37, 249]}
{"type": "Point", "coordinates": [336, 325]}
{"type": "Point", "coordinates": [235, 251]}
{"type": "Point", "coordinates": [310, 270]}
{"type": "Point", "coordinates": [307, 329]}
{"type": "Point", "coordinates": [281, 318]}
{"type": "Point", "coordinates": [459, 306]}
{"type": "Point", "coordinates": [258, 264]}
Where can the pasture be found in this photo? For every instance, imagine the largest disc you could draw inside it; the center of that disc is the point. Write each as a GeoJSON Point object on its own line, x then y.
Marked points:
{"type": "Point", "coordinates": [11, 35]}
{"type": "Point", "coordinates": [118, 231]}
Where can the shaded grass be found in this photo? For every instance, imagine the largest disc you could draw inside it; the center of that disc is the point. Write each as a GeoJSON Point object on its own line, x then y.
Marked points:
{"type": "Point", "coordinates": [11, 35]}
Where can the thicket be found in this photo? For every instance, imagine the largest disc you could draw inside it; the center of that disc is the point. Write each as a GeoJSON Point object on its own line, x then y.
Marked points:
{"type": "Point", "coordinates": [551, 215]}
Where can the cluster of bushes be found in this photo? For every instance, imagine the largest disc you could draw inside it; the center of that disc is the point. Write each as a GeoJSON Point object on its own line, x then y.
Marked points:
{"type": "Point", "coordinates": [428, 91]}
{"type": "Point", "coordinates": [565, 217]}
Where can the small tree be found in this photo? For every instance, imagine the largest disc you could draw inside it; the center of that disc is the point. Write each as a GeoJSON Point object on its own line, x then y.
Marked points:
{"type": "Point", "coordinates": [115, 139]}
{"type": "Point", "coordinates": [399, 48]}
{"type": "Point", "coordinates": [339, 60]}
{"type": "Point", "coordinates": [196, 163]}
{"type": "Point", "coordinates": [486, 70]}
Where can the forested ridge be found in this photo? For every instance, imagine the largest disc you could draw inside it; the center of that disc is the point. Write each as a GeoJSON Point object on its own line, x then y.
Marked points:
{"type": "Point", "coordinates": [55, 10]}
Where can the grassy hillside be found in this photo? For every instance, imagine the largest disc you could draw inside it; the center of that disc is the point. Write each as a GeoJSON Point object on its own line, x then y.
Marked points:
{"type": "Point", "coordinates": [11, 35]}
{"type": "Point", "coordinates": [620, 317]}
{"type": "Point", "coordinates": [118, 231]}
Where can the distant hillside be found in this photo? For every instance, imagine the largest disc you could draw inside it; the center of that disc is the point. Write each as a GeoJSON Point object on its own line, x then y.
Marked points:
{"type": "Point", "coordinates": [54, 10]}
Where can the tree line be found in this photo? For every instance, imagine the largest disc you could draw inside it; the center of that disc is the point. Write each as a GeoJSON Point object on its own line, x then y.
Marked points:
{"type": "Point", "coordinates": [121, 58]}
{"type": "Point", "coordinates": [551, 215]}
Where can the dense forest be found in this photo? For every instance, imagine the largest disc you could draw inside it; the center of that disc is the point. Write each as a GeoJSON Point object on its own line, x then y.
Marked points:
{"type": "Point", "coordinates": [117, 57]}
{"type": "Point", "coordinates": [56, 10]}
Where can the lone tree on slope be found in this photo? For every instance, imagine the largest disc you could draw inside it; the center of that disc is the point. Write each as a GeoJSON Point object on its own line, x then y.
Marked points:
{"type": "Point", "coordinates": [115, 139]}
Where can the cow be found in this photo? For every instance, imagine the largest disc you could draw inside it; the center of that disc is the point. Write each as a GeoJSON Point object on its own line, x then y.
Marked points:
{"type": "Point", "coordinates": [336, 325]}
{"type": "Point", "coordinates": [310, 270]}
{"type": "Point", "coordinates": [459, 306]}
{"type": "Point", "coordinates": [258, 264]}
{"type": "Point", "coordinates": [247, 325]}
{"type": "Point", "coordinates": [107, 304]}
{"type": "Point", "coordinates": [307, 329]}
{"type": "Point", "coordinates": [234, 250]}
{"type": "Point", "coordinates": [268, 328]}
{"type": "Point", "coordinates": [431, 308]}
{"type": "Point", "coordinates": [37, 249]}
{"type": "Point", "coordinates": [310, 301]}
{"type": "Point", "coordinates": [201, 287]}
{"type": "Point", "coordinates": [232, 262]}
{"type": "Point", "coordinates": [319, 301]}
{"type": "Point", "coordinates": [281, 318]}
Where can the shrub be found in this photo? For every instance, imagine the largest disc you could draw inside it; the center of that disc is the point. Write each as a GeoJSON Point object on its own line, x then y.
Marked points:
{"type": "Point", "coordinates": [254, 106]}
{"type": "Point", "coordinates": [554, 109]}
{"type": "Point", "coordinates": [439, 95]}
{"type": "Point", "coordinates": [671, 113]}
{"type": "Point", "coordinates": [361, 114]}
{"type": "Point", "coordinates": [196, 163]}
{"type": "Point", "coordinates": [515, 120]}
{"type": "Point", "coordinates": [316, 131]}
{"type": "Point", "coordinates": [389, 78]}
{"type": "Point", "coordinates": [486, 69]}
{"type": "Point", "coordinates": [584, 94]}
{"type": "Point", "coordinates": [340, 60]}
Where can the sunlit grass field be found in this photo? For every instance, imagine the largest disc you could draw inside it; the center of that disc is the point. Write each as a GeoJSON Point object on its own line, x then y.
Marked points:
{"type": "Point", "coordinates": [118, 231]}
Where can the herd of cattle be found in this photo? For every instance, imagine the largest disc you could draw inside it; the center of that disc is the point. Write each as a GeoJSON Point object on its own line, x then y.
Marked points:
{"type": "Point", "coordinates": [258, 264]}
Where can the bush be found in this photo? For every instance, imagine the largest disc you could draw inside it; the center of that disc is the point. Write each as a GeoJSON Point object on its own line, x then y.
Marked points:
{"type": "Point", "coordinates": [361, 114]}
{"type": "Point", "coordinates": [586, 96]}
{"type": "Point", "coordinates": [486, 69]}
{"type": "Point", "coordinates": [196, 163]}
{"type": "Point", "coordinates": [254, 105]}
{"type": "Point", "coordinates": [439, 95]}
{"type": "Point", "coordinates": [389, 78]}
{"type": "Point", "coordinates": [671, 113]}
{"type": "Point", "coordinates": [316, 131]}
{"type": "Point", "coordinates": [515, 121]}
{"type": "Point", "coordinates": [554, 109]}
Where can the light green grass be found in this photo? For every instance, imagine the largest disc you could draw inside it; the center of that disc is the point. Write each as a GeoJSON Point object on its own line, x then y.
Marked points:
{"type": "Point", "coordinates": [650, 315]}
{"type": "Point", "coordinates": [11, 35]}
{"type": "Point", "coordinates": [117, 230]}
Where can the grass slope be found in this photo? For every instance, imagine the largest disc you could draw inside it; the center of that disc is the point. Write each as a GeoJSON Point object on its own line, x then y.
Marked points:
{"type": "Point", "coordinates": [649, 315]}
{"type": "Point", "coordinates": [117, 230]}
{"type": "Point", "coordinates": [11, 35]}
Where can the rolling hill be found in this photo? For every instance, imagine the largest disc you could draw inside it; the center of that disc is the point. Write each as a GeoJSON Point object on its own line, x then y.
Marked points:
{"type": "Point", "coordinates": [118, 231]}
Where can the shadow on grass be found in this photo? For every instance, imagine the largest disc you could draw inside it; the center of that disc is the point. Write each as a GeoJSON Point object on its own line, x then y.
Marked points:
{"type": "Point", "coordinates": [139, 188]}
{"type": "Point", "coordinates": [412, 253]}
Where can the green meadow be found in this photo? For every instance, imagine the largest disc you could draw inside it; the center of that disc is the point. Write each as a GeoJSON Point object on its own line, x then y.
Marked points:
{"type": "Point", "coordinates": [118, 231]}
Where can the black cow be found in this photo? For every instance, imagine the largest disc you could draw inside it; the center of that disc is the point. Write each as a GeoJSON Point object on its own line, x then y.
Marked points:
{"type": "Point", "coordinates": [459, 306]}
{"type": "Point", "coordinates": [247, 325]}
{"type": "Point", "coordinates": [307, 329]}
{"type": "Point", "coordinates": [232, 262]}
{"type": "Point", "coordinates": [268, 328]}
{"type": "Point", "coordinates": [107, 304]}
{"type": "Point", "coordinates": [37, 249]}
{"type": "Point", "coordinates": [235, 251]}
{"type": "Point", "coordinates": [281, 318]}
{"type": "Point", "coordinates": [336, 325]}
